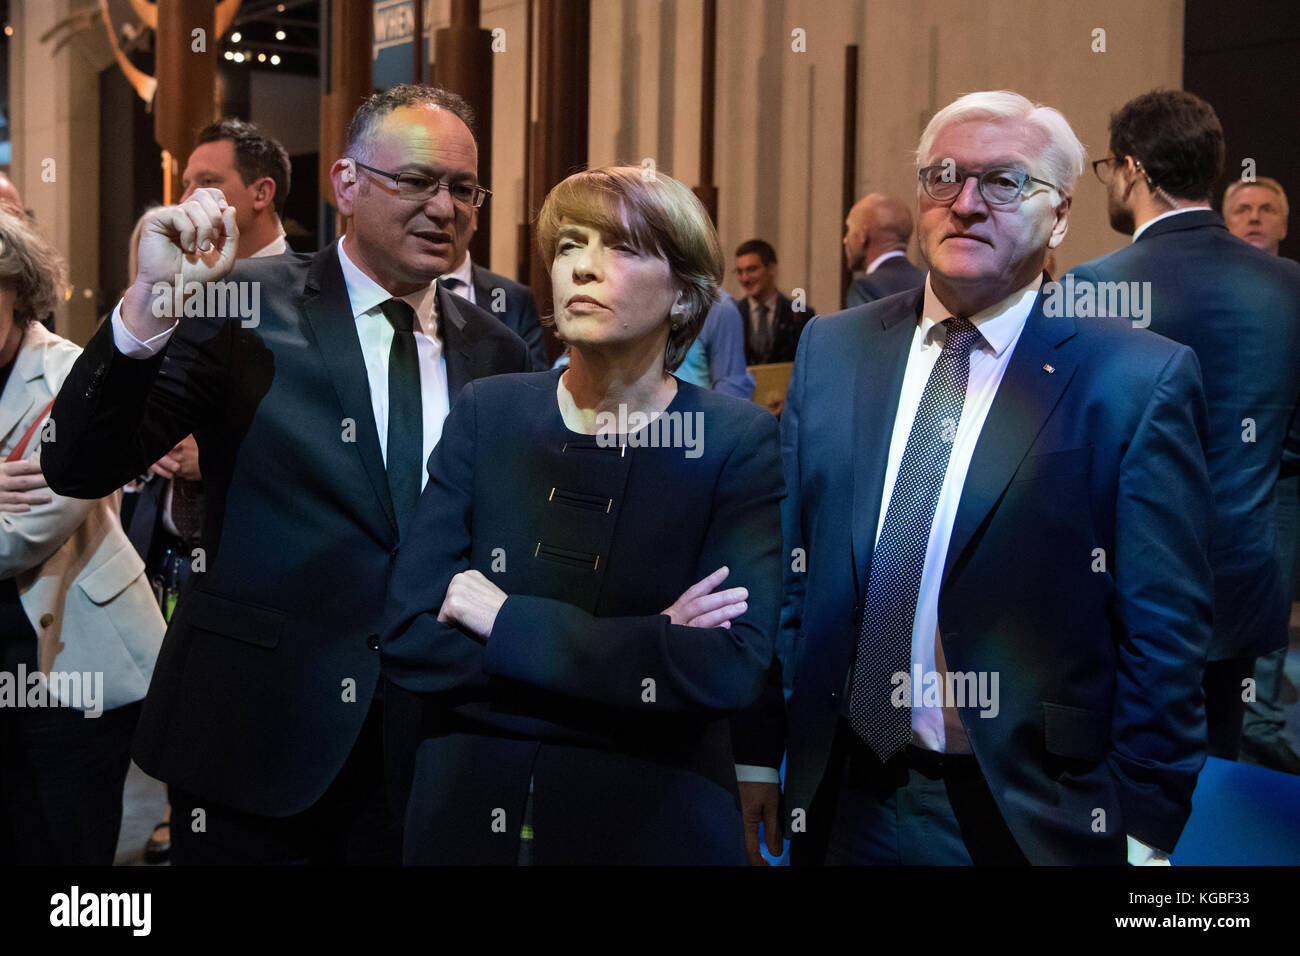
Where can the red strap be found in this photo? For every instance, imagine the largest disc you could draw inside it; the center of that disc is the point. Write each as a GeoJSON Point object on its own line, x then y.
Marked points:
{"type": "Point", "coordinates": [21, 448]}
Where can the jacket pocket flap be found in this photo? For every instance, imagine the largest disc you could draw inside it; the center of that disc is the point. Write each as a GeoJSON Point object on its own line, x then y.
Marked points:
{"type": "Point", "coordinates": [243, 622]}
{"type": "Point", "coordinates": [1071, 461]}
{"type": "Point", "coordinates": [113, 576]}
{"type": "Point", "coordinates": [1075, 732]}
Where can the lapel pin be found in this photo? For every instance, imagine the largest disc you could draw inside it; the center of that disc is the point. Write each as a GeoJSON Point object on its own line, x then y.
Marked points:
{"type": "Point", "coordinates": [1048, 369]}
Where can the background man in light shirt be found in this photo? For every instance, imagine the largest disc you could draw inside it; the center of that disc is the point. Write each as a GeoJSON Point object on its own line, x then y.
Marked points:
{"type": "Point", "coordinates": [952, 510]}
{"type": "Point", "coordinates": [252, 171]}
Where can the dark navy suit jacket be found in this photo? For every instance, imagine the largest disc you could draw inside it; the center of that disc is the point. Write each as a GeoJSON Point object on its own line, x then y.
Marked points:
{"type": "Point", "coordinates": [518, 310]}
{"type": "Point", "coordinates": [1093, 447]}
{"type": "Point", "coordinates": [787, 325]}
{"type": "Point", "coordinates": [618, 716]}
{"type": "Point", "coordinates": [892, 276]}
{"type": "Point", "coordinates": [1239, 309]}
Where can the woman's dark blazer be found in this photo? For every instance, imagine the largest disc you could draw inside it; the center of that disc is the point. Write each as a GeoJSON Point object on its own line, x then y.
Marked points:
{"type": "Point", "coordinates": [618, 716]}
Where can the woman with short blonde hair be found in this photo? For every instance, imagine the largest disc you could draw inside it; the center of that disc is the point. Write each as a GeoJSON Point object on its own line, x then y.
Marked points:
{"type": "Point", "coordinates": [559, 601]}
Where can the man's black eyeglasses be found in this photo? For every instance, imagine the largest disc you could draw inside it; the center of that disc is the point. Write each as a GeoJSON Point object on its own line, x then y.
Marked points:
{"type": "Point", "coordinates": [413, 186]}
{"type": "Point", "coordinates": [999, 185]}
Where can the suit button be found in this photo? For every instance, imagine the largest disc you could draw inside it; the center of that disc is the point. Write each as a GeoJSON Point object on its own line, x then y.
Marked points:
{"type": "Point", "coordinates": [372, 642]}
{"type": "Point", "coordinates": [47, 620]}
{"type": "Point", "coordinates": [835, 695]}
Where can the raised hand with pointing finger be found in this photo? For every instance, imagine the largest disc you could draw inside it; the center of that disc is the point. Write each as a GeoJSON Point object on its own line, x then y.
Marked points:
{"type": "Point", "coordinates": [195, 240]}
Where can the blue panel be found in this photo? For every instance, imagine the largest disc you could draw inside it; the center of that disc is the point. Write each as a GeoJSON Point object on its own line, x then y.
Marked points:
{"type": "Point", "coordinates": [1242, 815]}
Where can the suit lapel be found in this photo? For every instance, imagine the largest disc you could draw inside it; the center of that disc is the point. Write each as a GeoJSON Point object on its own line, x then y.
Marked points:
{"type": "Point", "coordinates": [782, 321]}
{"type": "Point", "coordinates": [878, 379]}
{"type": "Point", "coordinates": [463, 347]}
{"type": "Point", "coordinates": [329, 314]}
{"type": "Point", "coordinates": [18, 398]}
{"type": "Point", "coordinates": [1026, 397]}
{"type": "Point", "coordinates": [482, 291]}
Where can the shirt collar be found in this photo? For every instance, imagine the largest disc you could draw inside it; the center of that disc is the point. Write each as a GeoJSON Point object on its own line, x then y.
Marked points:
{"type": "Point", "coordinates": [999, 324]}
{"type": "Point", "coordinates": [769, 303]}
{"type": "Point", "coordinates": [367, 295]}
{"type": "Point", "coordinates": [465, 273]}
{"type": "Point", "coordinates": [875, 263]}
{"type": "Point", "coordinates": [1164, 215]}
{"type": "Point", "coordinates": [275, 247]}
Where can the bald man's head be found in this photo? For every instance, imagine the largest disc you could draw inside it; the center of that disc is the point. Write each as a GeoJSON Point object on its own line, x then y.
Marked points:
{"type": "Point", "coordinates": [875, 225]}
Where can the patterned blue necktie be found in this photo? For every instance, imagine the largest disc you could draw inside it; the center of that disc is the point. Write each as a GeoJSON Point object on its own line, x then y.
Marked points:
{"type": "Point", "coordinates": [885, 642]}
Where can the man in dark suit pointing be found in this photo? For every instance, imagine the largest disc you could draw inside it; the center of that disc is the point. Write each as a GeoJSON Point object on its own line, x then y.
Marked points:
{"type": "Point", "coordinates": [316, 388]}
{"type": "Point", "coordinates": [998, 637]}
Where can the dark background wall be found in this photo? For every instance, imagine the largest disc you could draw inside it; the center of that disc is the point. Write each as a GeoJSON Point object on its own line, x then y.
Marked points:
{"type": "Point", "coordinates": [1244, 58]}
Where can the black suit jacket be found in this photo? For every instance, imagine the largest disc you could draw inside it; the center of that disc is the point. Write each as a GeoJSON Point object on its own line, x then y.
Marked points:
{"type": "Point", "coordinates": [1094, 441]}
{"type": "Point", "coordinates": [785, 334]}
{"type": "Point", "coordinates": [514, 305]}
{"type": "Point", "coordinates": [269, 664]}
{"type": "Point", "coordinates": [892, 276]}
{"type": "Point", "coordinates": [584, 686]}
{"type": "Point", "coordinates": [1239, 309]}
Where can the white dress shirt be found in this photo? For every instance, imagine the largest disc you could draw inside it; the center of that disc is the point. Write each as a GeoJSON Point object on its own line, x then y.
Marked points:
{"type": "Point", "coordinates": [277, 246]}
{"type": "Point", "coordinates": [466, 275]}
{"type": "Point", "coordinates": [1000, 325]}
{"type": "Point", "coordinates": [376, 337]}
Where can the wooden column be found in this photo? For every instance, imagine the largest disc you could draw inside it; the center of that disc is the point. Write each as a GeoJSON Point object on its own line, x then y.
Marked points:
{"type": "Point", "coordinates": [524, 229]}
{"type": "Point", "coordinates": [559, 140]}
{"type": "Point", "coordinates": [350, 82]}
{"type": "Point", "coordinates": [462, 64]}
{"type": "Point", "coordinates": [850, 153]}
{"type": "Point", "coordinates": [706, 190]}
{"type": "Point", "coordinates": [418, 65]}
{"type": "Point", "coordinates": [186, 97]}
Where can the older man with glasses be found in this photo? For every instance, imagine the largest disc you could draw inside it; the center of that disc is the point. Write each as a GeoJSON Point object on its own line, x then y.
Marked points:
{"type": "Point", "coordinates": [315, 409]}
{"type": "Point", "coordinates": [1018, 680]}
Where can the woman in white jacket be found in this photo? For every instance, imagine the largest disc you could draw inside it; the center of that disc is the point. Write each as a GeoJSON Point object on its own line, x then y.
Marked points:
{"type": "Point", "coordinates": [79, 627]}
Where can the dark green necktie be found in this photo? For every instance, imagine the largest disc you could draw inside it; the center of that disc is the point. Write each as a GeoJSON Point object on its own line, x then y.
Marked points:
{"type": "Point", "coordinates": [405, 420]}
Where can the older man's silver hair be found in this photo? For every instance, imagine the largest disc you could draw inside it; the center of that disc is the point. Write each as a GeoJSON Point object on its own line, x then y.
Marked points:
{"type": "Point", "coordinates": [1267, 182]}
{"type": "Point", "coordinates": [1063, 156]}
